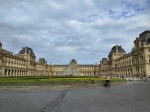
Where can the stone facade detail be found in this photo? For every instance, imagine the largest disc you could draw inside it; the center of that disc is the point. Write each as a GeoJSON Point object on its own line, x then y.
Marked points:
{"type": "Point", "coordinates": [136, 63]}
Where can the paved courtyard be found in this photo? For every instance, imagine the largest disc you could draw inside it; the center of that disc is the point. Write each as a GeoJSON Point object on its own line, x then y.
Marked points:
{"type": "Point", "coordinates": [130, 97]}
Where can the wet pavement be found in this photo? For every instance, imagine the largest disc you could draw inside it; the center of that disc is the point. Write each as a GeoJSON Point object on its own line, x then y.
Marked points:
{"type": "Point", "coordinates": [130, 97]}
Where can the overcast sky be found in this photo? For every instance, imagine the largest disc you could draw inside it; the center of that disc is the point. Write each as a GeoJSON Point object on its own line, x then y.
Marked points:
{"type": "Point", "coordinates": [60, 30]}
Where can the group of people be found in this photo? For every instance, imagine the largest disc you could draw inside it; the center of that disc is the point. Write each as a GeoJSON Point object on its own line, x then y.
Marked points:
{"type": "Point", "coordinates": [140, 78]}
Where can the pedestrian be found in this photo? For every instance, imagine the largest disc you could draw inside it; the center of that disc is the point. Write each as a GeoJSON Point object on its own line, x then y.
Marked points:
{"type": "Point", "coordinates": [107, 80]}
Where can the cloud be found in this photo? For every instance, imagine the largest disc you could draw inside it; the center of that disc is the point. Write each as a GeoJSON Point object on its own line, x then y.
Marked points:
{"type": "Point", "coordinates": [60, 30]}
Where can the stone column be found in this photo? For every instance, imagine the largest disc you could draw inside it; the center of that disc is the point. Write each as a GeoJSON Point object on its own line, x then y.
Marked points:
{"type": "Point", "coordinates": [19, 72]}
{"type": "Point", "coordinates": [3, 71]}
{"type": "Point", "coordinates": [10, 72]}
{"type": "Point", "coordinates": [16, 72]}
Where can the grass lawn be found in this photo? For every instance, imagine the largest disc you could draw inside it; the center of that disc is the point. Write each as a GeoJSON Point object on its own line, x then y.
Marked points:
{"type": "Point", "coordinates": [44, 80]}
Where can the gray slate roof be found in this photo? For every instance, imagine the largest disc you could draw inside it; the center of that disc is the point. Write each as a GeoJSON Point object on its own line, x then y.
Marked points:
{"type": "Point", "coordinates": [29, 51]}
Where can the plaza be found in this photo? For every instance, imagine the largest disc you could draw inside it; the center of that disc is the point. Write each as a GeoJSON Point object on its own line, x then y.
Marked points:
{"type": "Point", "coordinates": [129, 97]}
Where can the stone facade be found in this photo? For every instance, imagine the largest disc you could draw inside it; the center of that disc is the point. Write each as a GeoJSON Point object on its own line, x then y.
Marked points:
{"type": "Point", "coordinates": [11, 65]}
{"type": "Point", "coordinates": [136, 63]}
{"type": "Point", "coordinates": [24, 64]}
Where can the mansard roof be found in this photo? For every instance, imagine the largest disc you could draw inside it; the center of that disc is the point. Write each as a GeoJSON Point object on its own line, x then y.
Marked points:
{"type": "Point", "coordinates": [115, 48]}
{"type": "Point", "coordinates": [28, 50]}
{"type": "Point", "coordinates": [73, 61]}
{"type": "Point", "coordinates": [42, 61]}
{"type": "Point", "coordinates": [145, 37]}
{"type": "Point", "coordinates": [104, 60]}
{"type": "Point", "coordinates": [145, 32]}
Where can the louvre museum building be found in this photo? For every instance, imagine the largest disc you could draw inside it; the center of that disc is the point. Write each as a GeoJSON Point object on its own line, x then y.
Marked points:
{"type": "Point", "coordinates": [119, 63]}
